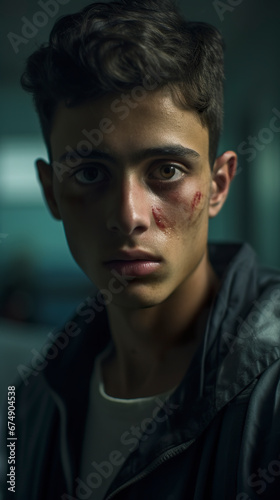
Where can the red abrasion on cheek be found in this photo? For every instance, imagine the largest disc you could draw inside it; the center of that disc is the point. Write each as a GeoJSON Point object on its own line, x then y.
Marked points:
{"type": "Point", "coordinates": [196, 200]}
{"type": "Point", "coordinates": [161, 221]}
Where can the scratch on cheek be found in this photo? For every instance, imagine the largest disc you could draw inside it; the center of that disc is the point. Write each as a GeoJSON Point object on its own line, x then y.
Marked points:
{"type": "Point", "coordinates": [160, 220]}
{"type": "Point", "coordinates": [196, 200]}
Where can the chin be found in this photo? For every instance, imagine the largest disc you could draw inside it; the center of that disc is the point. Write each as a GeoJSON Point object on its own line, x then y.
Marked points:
{"type": "Point", "coordinates": [138, 298]}
{"type": "Point", "coordinates": [133, 302]}
{"type": "Point", "coordinates": [131, 293]}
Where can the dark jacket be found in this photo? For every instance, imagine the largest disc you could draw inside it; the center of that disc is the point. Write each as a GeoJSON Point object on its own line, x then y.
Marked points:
{"type": "Point", "coordinates": [222, 442]}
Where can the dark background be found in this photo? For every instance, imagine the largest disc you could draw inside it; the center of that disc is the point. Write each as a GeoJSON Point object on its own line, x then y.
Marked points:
{"type": "Point", "coordinates": [40, 283]}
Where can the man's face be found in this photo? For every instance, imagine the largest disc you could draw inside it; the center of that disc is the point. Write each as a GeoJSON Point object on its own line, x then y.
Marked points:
{"type": "Point", "coordinates": [144, 189]}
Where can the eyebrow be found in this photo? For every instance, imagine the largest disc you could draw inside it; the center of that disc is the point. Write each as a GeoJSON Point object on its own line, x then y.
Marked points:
{"type": "Point", "coordinates": [171, 150]}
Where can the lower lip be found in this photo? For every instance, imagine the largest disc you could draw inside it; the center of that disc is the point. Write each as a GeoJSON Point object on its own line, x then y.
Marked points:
{"type": "Point", "coordinates": [133, 267]}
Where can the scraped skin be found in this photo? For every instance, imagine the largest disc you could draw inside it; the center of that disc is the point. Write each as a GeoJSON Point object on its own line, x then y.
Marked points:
{"type": "Point", "coordinates": [156, 203]}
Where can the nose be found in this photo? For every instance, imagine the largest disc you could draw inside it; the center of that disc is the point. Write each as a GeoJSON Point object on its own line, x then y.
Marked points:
{"type": "Point", "coordinates": [129, 208]}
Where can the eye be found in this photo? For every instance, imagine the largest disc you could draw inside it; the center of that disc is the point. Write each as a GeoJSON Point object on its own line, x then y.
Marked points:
{"type": "Point", "coordinates": [90, 175]}
{"type": "Point", "coordinates": [168, 172]}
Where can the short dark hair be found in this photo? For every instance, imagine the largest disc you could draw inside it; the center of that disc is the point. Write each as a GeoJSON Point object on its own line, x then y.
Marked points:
{"type": "Point", "coordinates": [108, 47]}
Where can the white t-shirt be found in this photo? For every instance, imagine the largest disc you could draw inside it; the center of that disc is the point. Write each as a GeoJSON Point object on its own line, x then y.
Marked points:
{"type": "Point", "coordinates": [113, 430]}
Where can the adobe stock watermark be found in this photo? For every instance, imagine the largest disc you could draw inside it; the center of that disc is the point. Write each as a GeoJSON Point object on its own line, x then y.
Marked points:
{"type": "Point", "coordinates": [87, 310]}
{"type": "Point", "coordinates": [130, 438]}
{"type": "Point", "coordinates": [262, 308]}
{"type": "Point", "coordinates": [30, 28]}
{"type": "Point", "coordinates": [260, 480]}
{"type": "Point", "coordinates": [92, 139]}
{"type": "Point", "coordinates": [264, 137]}
{"type": "Point", "coordinates": [222, 7]}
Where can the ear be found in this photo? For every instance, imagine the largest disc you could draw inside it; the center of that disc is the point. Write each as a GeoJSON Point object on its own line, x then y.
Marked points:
{"type": "Point", "coordinates": [223, 173]}
{"type": "Point", "coordinates": [45, 174]}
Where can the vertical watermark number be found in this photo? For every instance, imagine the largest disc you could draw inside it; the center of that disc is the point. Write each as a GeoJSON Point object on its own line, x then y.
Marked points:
{"type": "Point", "coordinates": [11, 439]}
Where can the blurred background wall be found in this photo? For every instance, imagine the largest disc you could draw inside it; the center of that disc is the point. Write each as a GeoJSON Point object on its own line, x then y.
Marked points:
{"type": "Point", "coordinates": [40, 283]}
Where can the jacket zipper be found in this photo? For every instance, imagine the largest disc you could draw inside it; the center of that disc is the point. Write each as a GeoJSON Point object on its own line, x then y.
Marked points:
{"type": "Point", "coordinates": [154, 465]}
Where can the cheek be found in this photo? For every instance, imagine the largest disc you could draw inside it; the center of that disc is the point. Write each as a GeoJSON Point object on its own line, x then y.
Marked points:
{"type": "Point", "coordinates": [76, 208]}
{"type": "Point", "coordinates": [163, 218]}
{"type": "Point", "coordinates": [178, 210]}
{"type": "Point", "coordinates": [196, 204]}
{"type": "Point", "coordinates": [77, 218]}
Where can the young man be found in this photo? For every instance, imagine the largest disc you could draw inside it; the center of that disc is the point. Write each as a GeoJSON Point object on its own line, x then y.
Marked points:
{"type": "Point", "coordinates": [166, 384]}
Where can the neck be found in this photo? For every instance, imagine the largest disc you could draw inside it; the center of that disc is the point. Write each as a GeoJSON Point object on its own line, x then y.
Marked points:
{"type": "Point", "coordinates": [154, 346]}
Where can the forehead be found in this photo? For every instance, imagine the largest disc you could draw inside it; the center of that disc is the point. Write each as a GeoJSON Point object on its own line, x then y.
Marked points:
{"type": "Point", "coordinates": [119, 125]}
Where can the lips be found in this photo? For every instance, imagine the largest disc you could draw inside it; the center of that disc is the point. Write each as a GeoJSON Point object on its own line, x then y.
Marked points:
{"type": "Point", "coordinates": [133, 263]}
